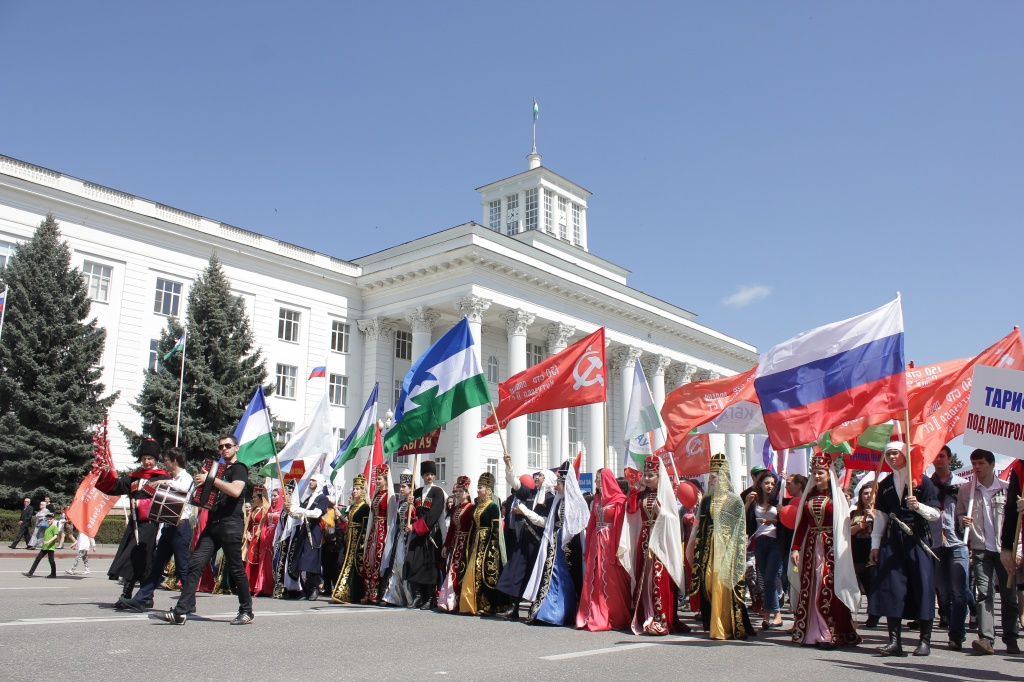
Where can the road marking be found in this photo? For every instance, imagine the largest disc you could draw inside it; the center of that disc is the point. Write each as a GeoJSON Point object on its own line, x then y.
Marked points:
{"type": "Point", "coordinates": [609, 650]}
{"type": "Point", "coordinates": [41, 587]}
{"type": "Point", "coordinates": [223, 617]}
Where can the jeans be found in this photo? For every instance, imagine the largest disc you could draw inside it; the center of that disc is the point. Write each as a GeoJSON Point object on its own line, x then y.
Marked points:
{"type": "Point", "coordinates": [951, 580]}
{"type": "Point", "coordinates": [769, 570]}
{"type": "Point", "coordinates": [176, 541]}
{"type": "Point", "coordinates": [48, 553]}
{"type": "Point", "coordinates": [226, 535]}
{"type": "Point", "coordinates": [989, 576]}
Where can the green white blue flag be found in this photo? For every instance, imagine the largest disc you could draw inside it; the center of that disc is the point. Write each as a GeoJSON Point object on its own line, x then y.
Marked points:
{"type": "Point", "coordinates": [254, 434]}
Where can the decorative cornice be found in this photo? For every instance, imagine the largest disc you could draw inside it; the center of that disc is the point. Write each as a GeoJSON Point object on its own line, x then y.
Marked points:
{"type": "Point", "coordinates": [422, 319]}
{"type": "Point", "coordinates": [559, 335]}
{"type": "Point", "coordinates": [655, 365]}
{"type": "Point", "coordinates": [473, 307]}
{"type": "Point", "coordinates": [625, 356]}
{"type": "Point", "coordinates": [376, 328]}
{"type": "Point", "coordinates": [518, 321]}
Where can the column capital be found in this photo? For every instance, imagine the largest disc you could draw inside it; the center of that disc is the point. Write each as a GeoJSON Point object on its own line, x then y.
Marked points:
{"type": "Point", "coordinates": [683, 373]}
{"type": "Point", "coordinates": [422, 319]}
{"type": "Point", "coordinates": [625, 356]}
{"type": "Point", "coordinates": [655, 365]}
{"type": "Point", "coordinates": [518, 321]}
{"type": "Point", "coordinates": [559, 335]}
{"type": "Point", "coordinates": [473, 307]}
{"type": "Point", "coordinates": [708, 374]}
{"type": "Point", "coordinates": [376, 328]}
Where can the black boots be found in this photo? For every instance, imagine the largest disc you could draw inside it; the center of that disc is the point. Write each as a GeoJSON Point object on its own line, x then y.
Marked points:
{"type": "Point", "coordinates": [924, 648]}
{"type": "Point", "coordinates": [895, 645]}
{"type": "Point", "coordinates": [511, 613]}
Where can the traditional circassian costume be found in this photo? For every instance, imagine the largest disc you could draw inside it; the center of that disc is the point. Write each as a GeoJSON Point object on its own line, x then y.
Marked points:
{"type": "Point", "coordinates": [424, 558]}
{"type": "Point", "coordinates": [557, 578]}
{"type": "Point", "coordinates": [350, 587]}
{"type": "Point", "coordinates": [904, 582]}
{"type": "Point", "coordinates": [258, 548]}
{"type": "Point", "coordinates": [825, 593]}
{"type": "Point", "coordinates": [720, 559]}
{"type": "Point", "coordinates": [605, 598]}
{"type": "Point", "coordinates": [376, 539]}
{"type": "Point", "coordinates": [657, 559]}
{"type": "Point", "coordinates": [456, 547]}
{"type": "Point", "coordinates": [281, 545]}
{"type": "Point", "coordinates": [134, 557]}
{"type": "Point", "coordinates": [302, 570]}
{"type": "Point", "coordinates": [396, 590]}
{"type": "Point", "coordinates": [484, 562]}
{"type": "Point", "coordinates": [523, 535]}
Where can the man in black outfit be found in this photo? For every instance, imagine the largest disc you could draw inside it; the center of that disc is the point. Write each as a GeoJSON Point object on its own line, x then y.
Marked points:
{"type": "Point", "coordinates": [224, 530]}
{"type": "Point", "coordinates": [25, 526]}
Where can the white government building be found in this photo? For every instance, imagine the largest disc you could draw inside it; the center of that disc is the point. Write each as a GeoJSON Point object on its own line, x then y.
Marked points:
{"type": "Point", "coordinates": [523, 277]}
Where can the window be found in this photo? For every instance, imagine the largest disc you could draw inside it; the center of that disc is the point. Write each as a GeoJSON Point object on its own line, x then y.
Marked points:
{"type": "Point", "coordinates": [441, 469]}
{"type": "Point", "coordinates": [283, 432]}
{"type": "Point", "coordinates": [533, 438]}
{"type": "Point", "coordinates": [155, 359]}
{"type": "Point", "coordinates": [168, 295]}
{"type": "Point", "coordinates": [534, 353]}
{"type": "Point", "coordinates": [512, 214]}
{"type": "Point", "coordinates": [576, 224]}
{"type": "Point", "coordinates": [286, 380]}
{"type": "Point", "coordinates": [492, 467]}
{"type": "Point", "coordinates": [340, 332]}
{"type": "Point", "coordinates": [562, 211]}
{"type": "Point", "coordinates": [492, 369]}
{"type": "Point", "coordinates": [485, 412]}
{"type": "Point", "coordinates": [549, 198]}
{"type": "Point", "coordinates": [403, 345]}
{"type": "Point", "coordinates": [339, 437]}
{"type": "Point", "coordinates": [531, 209]}
{"type": "Point", "coordinates": [574, 431]}
{"type": "Point", "coordinates": [97, 279]}
{"type": "Point", "coordinates": [494, 216]}
{"type": "Point", "coordinates": [398, 393]}
{"type": "Point", "coordinates": [337, 390]}
{"type": "Point", "coordinates": [288, 325]}
{"type": "Point", "coordinates": [6, 251]}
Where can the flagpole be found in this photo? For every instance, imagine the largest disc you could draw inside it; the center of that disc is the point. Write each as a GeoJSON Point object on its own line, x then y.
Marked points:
{"type": "Point", "coordinates": [3, 310]}
{"type": "Point", "coordinates": [910, 452]}
{"type": "Point", "coordinates": [604, 445]}
{"type": "Point", "coordinates": [181, 387]}
{"type": "Point", "coordinates": [501, 436]}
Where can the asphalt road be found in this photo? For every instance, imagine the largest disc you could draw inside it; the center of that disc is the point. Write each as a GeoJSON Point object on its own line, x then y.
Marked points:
{"type": "Point", "coordinates": [65, 629]}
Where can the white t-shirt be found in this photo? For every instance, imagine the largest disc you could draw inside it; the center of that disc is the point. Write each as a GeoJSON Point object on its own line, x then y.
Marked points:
{"type": "Point", "coordinates": [988, 515]}
{"type": "Point", "coordinates": [765, 529]}
{"type": "Point", "coordinates": [183, 482]}
{"type": "Point", "coordinates": [84, 543]}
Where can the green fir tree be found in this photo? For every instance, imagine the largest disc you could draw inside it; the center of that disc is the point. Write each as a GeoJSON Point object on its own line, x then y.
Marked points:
{"type": "Point", "coordinates": [50, 390]}
{"type": "Point", "coordinates": [222, 371]}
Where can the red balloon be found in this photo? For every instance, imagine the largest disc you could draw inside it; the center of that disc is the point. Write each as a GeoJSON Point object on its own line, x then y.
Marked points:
{"type": "Point", "coordinates": [686, 493]}
{"type": "Point", "coordinates": [788, 515]}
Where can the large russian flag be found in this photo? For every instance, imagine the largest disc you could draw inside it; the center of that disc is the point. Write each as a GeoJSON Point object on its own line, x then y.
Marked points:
{"type": "Point", "coordinates": [823, 377]}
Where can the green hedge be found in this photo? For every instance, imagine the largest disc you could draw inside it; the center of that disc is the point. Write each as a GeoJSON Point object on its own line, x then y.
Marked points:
{"type": "Point", "coordinates": [110, 533]}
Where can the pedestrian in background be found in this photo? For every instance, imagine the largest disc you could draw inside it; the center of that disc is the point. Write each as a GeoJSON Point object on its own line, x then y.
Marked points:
{"type": "Point", "coordinates": [49, 542]}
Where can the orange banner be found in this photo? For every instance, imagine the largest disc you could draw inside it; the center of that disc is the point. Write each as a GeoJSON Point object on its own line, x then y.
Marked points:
{"type": "Point", "coordinates": [692, 458]}
{"type": "Point", "coordinates": [699, 402]}
{"type": "Point", "coordinates": [90, 506]}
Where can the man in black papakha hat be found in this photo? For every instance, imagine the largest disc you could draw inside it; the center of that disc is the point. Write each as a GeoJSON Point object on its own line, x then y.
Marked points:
{"type": "Point", "coordinates": [423, 557]}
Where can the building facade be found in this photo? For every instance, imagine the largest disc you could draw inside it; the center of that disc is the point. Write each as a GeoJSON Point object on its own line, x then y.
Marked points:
{"type": "Point", "coordinates": [523, 277]}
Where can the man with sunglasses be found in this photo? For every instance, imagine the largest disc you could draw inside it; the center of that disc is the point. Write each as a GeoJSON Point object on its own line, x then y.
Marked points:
{"type": "Point", "coordinates": [224, 530]}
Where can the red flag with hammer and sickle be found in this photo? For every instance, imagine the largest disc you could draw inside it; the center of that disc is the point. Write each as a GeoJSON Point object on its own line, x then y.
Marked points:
{"type": "Point", "coordinates": [577, 375]}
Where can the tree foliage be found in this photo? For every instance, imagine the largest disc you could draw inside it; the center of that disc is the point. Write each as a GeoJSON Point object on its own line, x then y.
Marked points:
{"type": "Point", "coordinates": [222, 371]}
{"type": "Point", "coordinates": [50, 390]}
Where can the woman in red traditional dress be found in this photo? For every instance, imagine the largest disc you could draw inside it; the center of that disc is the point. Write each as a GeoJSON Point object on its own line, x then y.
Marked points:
{"type": "Point", "coordinates": [455, 546]}
{"type": "Point", "coordinates": [259, 560]}
{"type": "Point", "coordinates": [604, 601]}
{"type": "Point", "coordinates": [376, 537]}
{"type": "Point", "coordinates": [658, 567]}
{"type": "Point", "coordinates": [826, 592]}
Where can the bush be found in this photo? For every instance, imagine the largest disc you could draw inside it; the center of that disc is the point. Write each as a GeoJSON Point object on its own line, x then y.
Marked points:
{"type": "Point", "coordinates": [110, 533]}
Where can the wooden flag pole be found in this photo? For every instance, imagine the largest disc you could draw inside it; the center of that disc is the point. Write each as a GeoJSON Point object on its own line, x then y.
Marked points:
{"type": "Point", "coordinates": [910, 450]}
{"type": "Point", "coordinates": [1011, 578]}
{"type": "Point", "coordinates": [604, 446]}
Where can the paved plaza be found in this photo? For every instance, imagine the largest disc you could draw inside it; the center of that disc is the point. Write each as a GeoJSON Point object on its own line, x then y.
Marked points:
{"type": "Point", "coordinates": [65, 629]}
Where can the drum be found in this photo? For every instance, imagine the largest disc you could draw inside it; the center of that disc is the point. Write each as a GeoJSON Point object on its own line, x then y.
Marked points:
{"type": "Point", "coordinates": [168, 504]}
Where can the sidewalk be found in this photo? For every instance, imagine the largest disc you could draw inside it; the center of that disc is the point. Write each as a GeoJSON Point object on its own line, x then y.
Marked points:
{"type": "Point", "coordinates": [101, 552]}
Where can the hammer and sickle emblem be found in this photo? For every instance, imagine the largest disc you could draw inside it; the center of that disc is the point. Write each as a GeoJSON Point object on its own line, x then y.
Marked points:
{"type": "Point", "coordinates": [695, 446]}
{"type": "Point", "coordinates": [591, 374]}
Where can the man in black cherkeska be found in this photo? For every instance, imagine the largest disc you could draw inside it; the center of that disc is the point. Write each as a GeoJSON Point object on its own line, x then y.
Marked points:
{"type": "Point", "coordinates": [423, 557]}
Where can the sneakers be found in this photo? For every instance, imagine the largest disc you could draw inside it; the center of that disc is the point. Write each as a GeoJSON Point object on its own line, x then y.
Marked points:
{"type": "Point", "coordinates": [172, 617]}
{"type": "Point", "coordinates": [243, 618]}
{"type": "Point", "coordinates": [983, 646]}
{"type": "Point", "coordinates": [27, 574]}
{"type": "Point", "coordinates": [87, 572]}
{"type": "Point", "coordinates": [70, 571]}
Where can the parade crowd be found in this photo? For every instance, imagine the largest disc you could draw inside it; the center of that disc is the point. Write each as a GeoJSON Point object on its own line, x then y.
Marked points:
{"type": "Point", "coordinates": [626, 558]}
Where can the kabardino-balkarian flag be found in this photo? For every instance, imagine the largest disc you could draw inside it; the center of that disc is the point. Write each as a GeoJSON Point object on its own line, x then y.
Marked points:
{"type": "Point", "coordinates": [254, 433]}
{"type": "Point", "coordinates": [443, 383]}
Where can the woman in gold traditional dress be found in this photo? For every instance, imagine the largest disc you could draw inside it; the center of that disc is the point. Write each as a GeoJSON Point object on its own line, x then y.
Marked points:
{"type": "Point", "coordinates": [719, 557]}
{"type": "Point", "coordinates": [484, 561]}
{"type": "Point", "coordinates": [350, 587]}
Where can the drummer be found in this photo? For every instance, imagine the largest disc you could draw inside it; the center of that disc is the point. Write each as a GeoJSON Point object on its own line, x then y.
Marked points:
{"type": "Point", "coordinates": [173, 540]}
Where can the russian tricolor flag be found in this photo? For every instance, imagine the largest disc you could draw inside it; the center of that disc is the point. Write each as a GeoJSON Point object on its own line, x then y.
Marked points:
{"type": "Point", "coordinates": [823, 377]}
{"type": "Point", "coordinates": [3, 299]}
{"type": "Point", "coordinates": [320, 371]}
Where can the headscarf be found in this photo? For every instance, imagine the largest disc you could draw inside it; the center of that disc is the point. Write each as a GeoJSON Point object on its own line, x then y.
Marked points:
{"type": "Point", "coordinates": [729, 537]}
{"type": "Point", "coordinates": [610, 492]}
{"type": "Point", "coordinates": [547, 485]}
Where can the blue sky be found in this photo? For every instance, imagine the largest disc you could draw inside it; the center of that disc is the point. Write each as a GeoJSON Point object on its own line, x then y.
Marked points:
{"type": "Point", "coordinates": [768, 166]}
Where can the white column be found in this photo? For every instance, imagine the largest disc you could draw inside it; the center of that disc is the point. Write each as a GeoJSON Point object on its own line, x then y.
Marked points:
{"type": "Point", "coordinates": [472, 307]}
{"type": "Point", "coordinates": [736, 463]}
{"type": "Point", "coordinates": [597, 444]}
{"type": "Point", "coordinates": [378, 333]}
{"type": "Point", "coordinates": [422, 321]}
{"type": "Point", "coordinates": [654, 368]}
{"type": "Point", "coordinates": [624, 358]}
{"type": "Point", "coordinates": [558, 339]}
{"type": "Point", "coordinates": [753, 458]}
{"type": "Point", "coordinates": [517, 324]}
